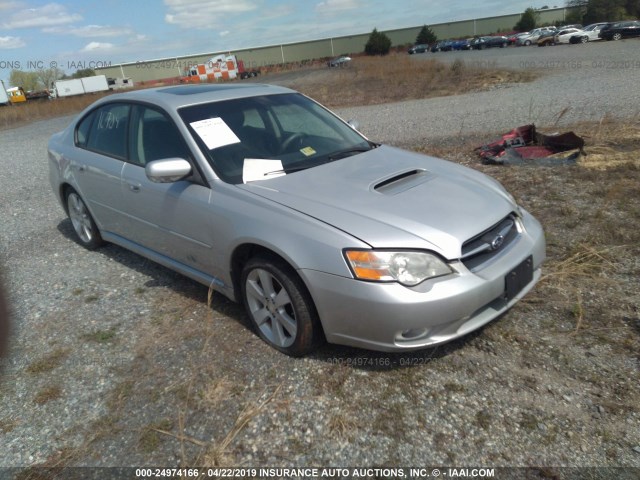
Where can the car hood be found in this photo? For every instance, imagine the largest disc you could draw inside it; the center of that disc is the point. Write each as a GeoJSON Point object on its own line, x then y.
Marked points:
{"type": "Point", "coordinates": [391, 198]}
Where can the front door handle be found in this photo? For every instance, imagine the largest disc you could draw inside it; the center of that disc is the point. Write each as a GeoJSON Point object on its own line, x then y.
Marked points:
{"type": "Point", "coordinates": [134, 187]}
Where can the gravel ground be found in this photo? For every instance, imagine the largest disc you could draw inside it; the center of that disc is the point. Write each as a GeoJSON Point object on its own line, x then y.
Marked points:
{"type": "Point", "coordinates": [116, 361]}
{"type": "Point", "coordinates": [580, 83]}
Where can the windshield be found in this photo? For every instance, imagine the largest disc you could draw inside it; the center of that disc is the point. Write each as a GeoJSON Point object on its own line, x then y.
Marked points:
{"type": "Point", "coordinates": [290, 130]}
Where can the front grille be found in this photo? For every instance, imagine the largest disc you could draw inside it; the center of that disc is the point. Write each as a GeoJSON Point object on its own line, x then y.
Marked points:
{"type": "Point", "coordinates": [491, 242]}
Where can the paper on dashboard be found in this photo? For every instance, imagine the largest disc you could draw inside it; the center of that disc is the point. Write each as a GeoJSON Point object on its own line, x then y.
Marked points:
{"type": "Point", "coordinates": [255, 169]}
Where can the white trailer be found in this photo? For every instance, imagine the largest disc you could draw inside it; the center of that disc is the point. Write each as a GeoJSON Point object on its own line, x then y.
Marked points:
{"type": "Point", "coordinates": [66, 88]}
{"type": "Point", "coordinates": [79, 86]}
{"type": "Point", "coordinates": [4, 98]}
{"type": "Point", "coordinates": [97, 83]}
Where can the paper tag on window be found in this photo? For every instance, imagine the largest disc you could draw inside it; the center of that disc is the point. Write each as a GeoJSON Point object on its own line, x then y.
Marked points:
{"type": "Point", "coordinates": [214, 132]}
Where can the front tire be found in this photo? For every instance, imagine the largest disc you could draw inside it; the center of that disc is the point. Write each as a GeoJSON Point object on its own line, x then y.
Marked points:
{"type": "Point", "coordinates": [617, 36]}
{"type": "Point", "coordinates": [279, 306]}
{"type": "Point", "coordinates": [85, 227]}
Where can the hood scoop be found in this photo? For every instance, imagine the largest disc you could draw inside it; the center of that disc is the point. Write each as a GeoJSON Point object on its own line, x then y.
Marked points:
{"type": "Point", "coordinates": [403, 181]}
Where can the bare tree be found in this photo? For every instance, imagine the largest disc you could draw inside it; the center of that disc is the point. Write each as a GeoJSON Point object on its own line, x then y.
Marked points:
{"type": "Point", "coordinates": [27, 80]}
{"type": "Point", "coordinates": [47, 76]}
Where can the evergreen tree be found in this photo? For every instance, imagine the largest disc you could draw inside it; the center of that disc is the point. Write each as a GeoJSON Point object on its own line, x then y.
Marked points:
{"type": "Point", "coordinates": [378, 44]}
{"type": "Point", "coordinates": [527, 21]}
{"type": "Point", "coordinates": [426, 36]}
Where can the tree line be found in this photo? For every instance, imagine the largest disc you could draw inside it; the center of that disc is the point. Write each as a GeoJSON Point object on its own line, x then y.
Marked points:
{"type": "Point", "coordinates": [591, 11]}
{"type": "Point", "coordinates": [43, 79]}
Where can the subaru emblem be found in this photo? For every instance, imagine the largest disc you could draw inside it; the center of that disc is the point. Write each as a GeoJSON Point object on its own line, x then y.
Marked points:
{"type": "Point", "coordinates": [497, 242]}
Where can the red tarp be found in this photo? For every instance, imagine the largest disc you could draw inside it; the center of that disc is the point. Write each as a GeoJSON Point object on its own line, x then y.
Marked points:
{"type": "Point", "coordinates": [524, 146]}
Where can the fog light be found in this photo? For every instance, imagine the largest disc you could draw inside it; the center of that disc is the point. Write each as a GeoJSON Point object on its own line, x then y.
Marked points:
{"type": "Point", "coordinates": [413, 333]}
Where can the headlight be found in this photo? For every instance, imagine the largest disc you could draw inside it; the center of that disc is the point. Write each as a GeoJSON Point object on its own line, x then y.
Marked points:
{"type": "Point", "coordinates": [407, 268]}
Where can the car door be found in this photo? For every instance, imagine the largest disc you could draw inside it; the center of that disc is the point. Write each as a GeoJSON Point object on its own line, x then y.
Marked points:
{"type": "Point", "coordinates": [172, 219]}
{"type": "Point", "coordinates": [631, 29]}
{"type": "Point", "coordinates": [101, 140]}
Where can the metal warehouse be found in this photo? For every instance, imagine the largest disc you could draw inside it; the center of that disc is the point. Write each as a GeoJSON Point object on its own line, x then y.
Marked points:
{"type": "Point", "coordinates": [172, 67]}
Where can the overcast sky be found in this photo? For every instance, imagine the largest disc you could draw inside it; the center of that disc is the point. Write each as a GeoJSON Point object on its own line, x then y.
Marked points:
{"type": "Point", "coordinates": [75, 34]}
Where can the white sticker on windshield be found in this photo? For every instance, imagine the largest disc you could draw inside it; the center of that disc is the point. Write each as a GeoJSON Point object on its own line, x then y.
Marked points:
{"type": "Point", "coordinates": [254, 169]}
{"type": "Point", "coordinates": [214, 132]}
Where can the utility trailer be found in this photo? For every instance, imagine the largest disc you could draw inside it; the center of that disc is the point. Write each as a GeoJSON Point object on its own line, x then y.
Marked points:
{"type": "Point", "coordinates": [80, 86]}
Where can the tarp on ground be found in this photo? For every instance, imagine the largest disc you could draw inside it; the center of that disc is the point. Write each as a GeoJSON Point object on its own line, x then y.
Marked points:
{"type": "Point", "coordinates": [525, 146]}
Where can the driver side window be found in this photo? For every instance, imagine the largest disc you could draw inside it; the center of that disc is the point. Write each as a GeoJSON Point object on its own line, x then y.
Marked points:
{"type": "Point", "coordinates": [154, 136]}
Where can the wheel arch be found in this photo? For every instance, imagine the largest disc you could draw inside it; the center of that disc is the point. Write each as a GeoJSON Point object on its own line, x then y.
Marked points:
{"type": "Point", "coordinates": [65, 188]}
{"type": "Point", "coordinates": [245, 252]}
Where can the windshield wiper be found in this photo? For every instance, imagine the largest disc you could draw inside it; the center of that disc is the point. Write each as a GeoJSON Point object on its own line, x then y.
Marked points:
{"type": "Point", "coordinates": [288, 170]}
{"type": "Point", "coordinates": [351, 151]}
{"type": "Point", "coordinates": [335, 156]}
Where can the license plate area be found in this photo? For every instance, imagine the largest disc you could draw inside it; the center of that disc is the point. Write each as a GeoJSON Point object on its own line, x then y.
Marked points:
{"type": "Point", "coordinates": [518, 278]}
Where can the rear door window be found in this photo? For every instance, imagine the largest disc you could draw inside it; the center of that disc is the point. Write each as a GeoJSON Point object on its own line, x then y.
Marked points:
{"type": "Point", "coordinates": [108, 132]}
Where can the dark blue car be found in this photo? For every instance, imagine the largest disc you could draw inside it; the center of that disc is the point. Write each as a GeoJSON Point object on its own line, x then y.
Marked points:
{"type": "Point", "coordinates": [461, 45]}
{"type": "Point", "coordinates": [443, 46]}
{"type": "Point", "coordinates": [481, 43]}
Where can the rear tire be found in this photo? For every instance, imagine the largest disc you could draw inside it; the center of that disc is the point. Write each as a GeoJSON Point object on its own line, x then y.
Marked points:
{"type": "Point", "coordinates": [84, 226]}
{"type": "Point", "coordinates": [279, 306]}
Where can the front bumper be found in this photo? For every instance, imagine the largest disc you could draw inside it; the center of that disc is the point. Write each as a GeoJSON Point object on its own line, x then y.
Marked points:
{"type": "Point", "coordinates": [391, 317]}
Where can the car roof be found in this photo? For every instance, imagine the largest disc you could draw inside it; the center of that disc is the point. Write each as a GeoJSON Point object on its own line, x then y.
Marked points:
{"type": "Point", "coordinates": [174, 97]}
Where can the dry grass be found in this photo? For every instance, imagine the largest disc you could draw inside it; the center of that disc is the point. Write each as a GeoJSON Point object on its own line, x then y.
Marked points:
{"type": "Point", "coordinates": [375, 80]}
{"type": "Point", "coordinates": [217, 453]}
{"type": "Point", "coordinates": [47, 394]}
{"type": "Point", "coordinates": [586, 261]}
{"type": "Point", "coordinates": [49, 361]}
{"type": "Point", "coordinates": [613, 144]}
{"type": "Point", "coordinates": [13, 116]}
{"type": "Point", "coordinates": [388, 79]}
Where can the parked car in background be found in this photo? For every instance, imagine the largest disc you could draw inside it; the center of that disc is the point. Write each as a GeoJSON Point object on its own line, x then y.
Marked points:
{"type": "Point", "coordinates": [590, 33]}
{"type": "Point", "coordinates": [573, 25]}
{"type": "Point", "coordinates": [533, 36]}
{"type": "Point", "coordinates": [481, 43]}
{"type": "Point", "coordinates": [464, 44]}
{"type": "Point", "coordinates": [421, 48]}
{"type": "Point", "coordinates": [546, 39]}
{"type": "Point", "coordinates": [341, 61]}
{"type": "Point", "coordinates": [263, 195]}
{"type": "Point", "coordinates": [564, 35]}
{"type": "Point", "coordinates": [514, 38]}
{"type": "Point", "coordinates": [619, 30]}
{"type": "Point", "coordinates": [443, 46]}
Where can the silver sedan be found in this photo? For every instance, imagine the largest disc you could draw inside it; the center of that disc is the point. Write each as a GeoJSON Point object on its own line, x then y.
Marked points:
{"type": "Point", "coordinates": [269, 198]}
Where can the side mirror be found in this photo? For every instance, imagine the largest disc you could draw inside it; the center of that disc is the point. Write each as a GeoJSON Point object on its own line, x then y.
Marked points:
{"type": "Point", "coordinates": [167, 170]}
